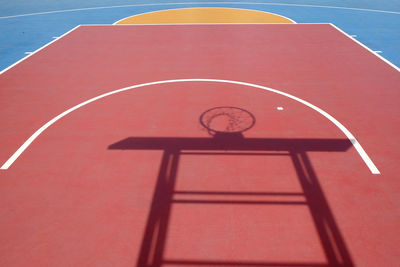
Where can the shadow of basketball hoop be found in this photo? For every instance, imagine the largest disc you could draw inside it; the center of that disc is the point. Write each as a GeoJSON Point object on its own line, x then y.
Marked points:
{"type": "Point", "coordinates": [226, 125]}
{"type": "Point", "coordinates": [227, 121]}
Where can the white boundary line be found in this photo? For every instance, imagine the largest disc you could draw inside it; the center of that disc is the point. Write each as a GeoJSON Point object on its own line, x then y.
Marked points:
{"type": "Point", "coordinates": [348, 134]}
{"type": "Point", "coordinates": [366, 47]}
{"type": "Point", "coordinates": [161, 10]}
{"type": "Point", "coordinates": [131, 25]}
{"type": "Point", "coordinates": [322, 23]}
{"type": "Point", "coordinates": [198, 3]}
{"type": "Point", "coordinates": [199, 24]}
{"type": "Point", "coordinates": [39, 49]}
{"type": "Point", "coordinates": [331, 24]}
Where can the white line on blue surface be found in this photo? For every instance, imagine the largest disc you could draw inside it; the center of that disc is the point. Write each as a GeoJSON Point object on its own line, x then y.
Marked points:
{"type": "Point", "coordinates": [199, 3]}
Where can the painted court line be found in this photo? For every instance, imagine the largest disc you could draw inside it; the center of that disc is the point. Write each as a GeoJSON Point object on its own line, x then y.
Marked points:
{"type": "Point", "coordinates": [197, 3]}
{"type": "Point", "coordinates": [29, 54]}
{"type": "Point", "coordinates": [323, 23]}
{"type": "Point", "coordinates": [197, 24]}
{"type": "Point", "coordinates": [246, 9]}
{"type": "Point", "coordinates": [366, 47]}
{"type": "Point", "coordinates": [190, 24]}
{"type": "Point", "coordinates": [348, 134]}
{"type": "Point", "coordinates": [55, 39]}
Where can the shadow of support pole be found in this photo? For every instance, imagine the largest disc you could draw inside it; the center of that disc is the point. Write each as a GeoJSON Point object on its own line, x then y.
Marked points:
{"type": "Point", "coordinates": [151, 252]}
{"type": "Point", "coordinates": [155, 235]}
{"type": "Point", "coordinates": [331, 239]}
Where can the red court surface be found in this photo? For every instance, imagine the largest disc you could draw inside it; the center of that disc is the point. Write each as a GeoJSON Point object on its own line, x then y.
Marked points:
{"type": "Point", "coordinates": [133, 179]}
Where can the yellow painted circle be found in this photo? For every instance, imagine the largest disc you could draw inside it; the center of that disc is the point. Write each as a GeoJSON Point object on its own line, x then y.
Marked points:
{"type": "Point", "coordinates": [204, 16]}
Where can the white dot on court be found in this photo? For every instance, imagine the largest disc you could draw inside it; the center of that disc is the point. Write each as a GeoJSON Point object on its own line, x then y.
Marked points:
{"type": "Point", "coordinates": [279, 108]}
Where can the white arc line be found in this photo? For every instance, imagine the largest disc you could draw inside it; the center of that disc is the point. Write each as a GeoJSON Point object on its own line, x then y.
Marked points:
{"type": "Point", "coordinates": [152, 12]}
{"type": "Point", "coordinates": [346, 132]}
{"type": "Point", "coordinates": [198, 3]}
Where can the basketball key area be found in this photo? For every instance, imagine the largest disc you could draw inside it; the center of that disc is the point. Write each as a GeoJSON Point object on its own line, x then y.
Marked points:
{"type": "Point", "coordinates": [231, 145]}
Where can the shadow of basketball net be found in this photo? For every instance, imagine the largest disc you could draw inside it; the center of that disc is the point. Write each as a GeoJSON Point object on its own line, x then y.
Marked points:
{"type": "Point", "coordinates": [225, 125]}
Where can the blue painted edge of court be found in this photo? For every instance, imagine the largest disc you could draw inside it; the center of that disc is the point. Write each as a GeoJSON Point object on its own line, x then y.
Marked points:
{"type": "Point", "coordinates": [21, 35]}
